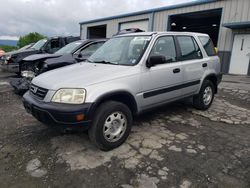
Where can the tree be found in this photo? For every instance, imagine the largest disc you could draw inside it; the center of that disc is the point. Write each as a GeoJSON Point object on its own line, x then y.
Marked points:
{"type": "Point", "coordinates": [7, 48]}
{"type": "Point", "coordinates": [29, 38]}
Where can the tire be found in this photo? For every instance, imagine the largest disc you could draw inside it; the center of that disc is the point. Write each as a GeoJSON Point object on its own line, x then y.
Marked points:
{"type": "Point", "coordinates": [104, 138]}
{"type": "Point", "coordinates": [199, 100]}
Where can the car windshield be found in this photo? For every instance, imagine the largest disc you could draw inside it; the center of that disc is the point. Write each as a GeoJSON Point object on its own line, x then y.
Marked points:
{"type": "Point", "coordinates": [126, 50]}
{"type": "Point", "coordinates": [25, 47]}
{"type": "Point", "coordinates": [39, 44]}
{"type": "Point", "coordinates": [69, 48]}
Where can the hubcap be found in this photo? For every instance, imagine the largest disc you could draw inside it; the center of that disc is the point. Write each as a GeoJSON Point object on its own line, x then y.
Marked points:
{"type": "Point", "coordinates": [207, 95]}
{"type": "Point", "coordinates": [115, 126]}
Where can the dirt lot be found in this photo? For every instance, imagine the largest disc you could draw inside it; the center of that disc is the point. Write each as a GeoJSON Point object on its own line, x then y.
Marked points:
{"type": "Point", "coordinates": [174, 146]}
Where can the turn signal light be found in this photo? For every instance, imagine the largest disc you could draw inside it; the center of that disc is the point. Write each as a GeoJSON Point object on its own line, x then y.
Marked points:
{"type": "Point", "coordinates": [80, 117]}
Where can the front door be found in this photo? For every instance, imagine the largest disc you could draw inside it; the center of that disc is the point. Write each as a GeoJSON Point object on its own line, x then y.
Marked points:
{"type": "Point", "coordinates": [240, 60]}
{"type": "Point", "coordinates": [160, 82]}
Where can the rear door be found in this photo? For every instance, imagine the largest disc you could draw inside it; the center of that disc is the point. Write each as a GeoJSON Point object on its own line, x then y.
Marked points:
{"type": "Point", "coordinates": [160, 83]}
{"type": "Point", "coordinates": [193, 64]}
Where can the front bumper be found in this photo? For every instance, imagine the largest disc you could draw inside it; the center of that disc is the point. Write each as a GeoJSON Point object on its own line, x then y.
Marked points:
{"type": "Point", "coordinates": [63, 115]}
{"type": "Point", "coordinates": [12, 67]}
{"type": "Point", "coordinates": [20, 85]}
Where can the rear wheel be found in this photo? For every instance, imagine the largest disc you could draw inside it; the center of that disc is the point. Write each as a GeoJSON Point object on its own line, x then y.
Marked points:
{"type": "Point", "coordinates": [204, 99]}
{"type": "Point", "coordinates": [111, 126]}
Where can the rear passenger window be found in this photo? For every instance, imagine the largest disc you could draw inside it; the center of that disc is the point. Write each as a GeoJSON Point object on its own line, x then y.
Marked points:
{"type": "Point", "coordinates": [189, 48]}
{"type": "Point", "coordinates": [208, 45]}
{"type": "Point", "coordinates": [165, 46]}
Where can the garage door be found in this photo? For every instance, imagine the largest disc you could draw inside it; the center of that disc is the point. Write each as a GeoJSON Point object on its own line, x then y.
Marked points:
{"type": "Point", "coordinates": [143, 25]}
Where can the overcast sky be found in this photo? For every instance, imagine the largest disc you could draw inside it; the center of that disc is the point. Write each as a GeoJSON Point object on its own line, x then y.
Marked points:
{"type": "Point", "coordinates": [62, 17]}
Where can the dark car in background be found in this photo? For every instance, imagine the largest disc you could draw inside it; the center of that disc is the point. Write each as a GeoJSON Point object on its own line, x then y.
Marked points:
{"type": "Point", "coordinates": [26, 47]}
{"type": "Point", "coordinates": [2, 53]}
{"type": "Point", "coordinates": [10, 61]}
{"type": "Point", "coordinates": [74, 52]}
{"type": "Point", "coordinates": [34, 65]}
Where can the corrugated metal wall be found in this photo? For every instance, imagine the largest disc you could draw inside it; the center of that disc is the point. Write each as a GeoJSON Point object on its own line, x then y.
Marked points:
{"type": "Point", "coordinates": [112, 25]}
{"type": "Point", "coordinates": [233, 11]}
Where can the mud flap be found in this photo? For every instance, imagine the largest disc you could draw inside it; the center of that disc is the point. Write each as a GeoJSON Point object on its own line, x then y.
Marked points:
{"type": "Point", "coordinates": [20, 85]}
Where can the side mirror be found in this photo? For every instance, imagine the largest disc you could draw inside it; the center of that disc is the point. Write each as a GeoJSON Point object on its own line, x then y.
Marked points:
{"type": "Point", "coordinates": [45, 50]}
{"type": "Point", "coordinates": [79, 55]}
{"type": "Point", "coordinates": [42, 50]}
{"type": "Point", "coordinates": [155, 60]}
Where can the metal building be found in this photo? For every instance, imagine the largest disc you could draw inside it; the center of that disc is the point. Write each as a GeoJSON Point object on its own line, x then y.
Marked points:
{"type": "Point", "coordinates": [226, 21]}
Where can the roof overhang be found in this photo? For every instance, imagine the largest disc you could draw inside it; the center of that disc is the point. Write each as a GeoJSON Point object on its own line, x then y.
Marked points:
{"type": "Point", "coordinates": [237, 25]}
{"type": "Point", "coordinates": [171, 7]}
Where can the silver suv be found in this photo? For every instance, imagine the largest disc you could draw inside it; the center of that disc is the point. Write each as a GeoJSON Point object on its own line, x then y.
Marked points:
{"type": "Point", "coordinates": [128, 75]}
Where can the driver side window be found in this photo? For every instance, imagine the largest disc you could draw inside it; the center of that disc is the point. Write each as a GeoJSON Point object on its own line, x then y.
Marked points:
{"type": "Point", "coordinates": [89, 50]}
{"type": "Point", "coordinates": [53, 46]}
{"type": "Point", "coordinates": [165, 46]}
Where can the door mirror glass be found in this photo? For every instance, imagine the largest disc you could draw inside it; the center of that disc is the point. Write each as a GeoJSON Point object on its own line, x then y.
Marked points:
{"type": "Point", "coordinates": [79, 55]}
{"type": "Point", "coordinates": [156, 60]}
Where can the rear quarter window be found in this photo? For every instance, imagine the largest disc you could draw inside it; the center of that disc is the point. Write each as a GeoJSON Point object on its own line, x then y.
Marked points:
{"type": "Point", "coordinates": [208, 45]}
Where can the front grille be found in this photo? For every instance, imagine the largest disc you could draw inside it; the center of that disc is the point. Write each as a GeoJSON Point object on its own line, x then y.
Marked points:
{"type": "Point", "coordinates": [38, 92]}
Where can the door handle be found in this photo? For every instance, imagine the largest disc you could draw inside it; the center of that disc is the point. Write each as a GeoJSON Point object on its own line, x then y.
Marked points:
{"type": "Point", "coordinates": [177, 70]}
{"type": "Point", "coordinates": [204, 65]}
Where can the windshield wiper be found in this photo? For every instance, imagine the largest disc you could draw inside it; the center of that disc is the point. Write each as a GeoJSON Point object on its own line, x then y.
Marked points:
{"type": "Point", "coordinates": [105, 62]}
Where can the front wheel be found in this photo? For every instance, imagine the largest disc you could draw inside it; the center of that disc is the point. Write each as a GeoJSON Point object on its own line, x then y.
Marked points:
{"type": "Point", "coordinates": [204, 99]}
{"type": "Point", "coordinates": [111, 126]}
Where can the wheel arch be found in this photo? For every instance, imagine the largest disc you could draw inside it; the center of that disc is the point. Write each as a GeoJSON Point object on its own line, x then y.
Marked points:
{"type": "Point", "coordinates": [124, 97]}
{"type": "Point", "coordinates": [213, 78]}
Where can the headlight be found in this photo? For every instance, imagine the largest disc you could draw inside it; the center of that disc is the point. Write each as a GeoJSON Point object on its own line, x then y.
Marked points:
{"type": "Point", "coordinates": [28, 74]}
{"type": "Point", "coordinates": [8, 58]}
{"type": "Point", "coordinates": [70, 96]}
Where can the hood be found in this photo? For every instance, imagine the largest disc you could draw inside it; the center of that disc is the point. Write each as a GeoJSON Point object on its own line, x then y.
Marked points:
{"type": "Point", "coordinates": [61, 59]}
{"type": "Point", "coordinates": [28, 51]}
{"type": "Point", "coordinates": [81, 75]}
{"type": "Point", "coordinates": [17, 56]}
{"type": "Point", "coordinates": [40, 56]}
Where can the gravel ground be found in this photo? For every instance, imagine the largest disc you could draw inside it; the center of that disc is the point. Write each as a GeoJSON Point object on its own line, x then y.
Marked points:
{"type": "Point", "coordinates": [173, 146]}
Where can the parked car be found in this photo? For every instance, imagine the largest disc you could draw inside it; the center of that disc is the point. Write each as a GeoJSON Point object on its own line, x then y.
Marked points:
{"type": "Point", "coordinates": [11, 60]}
{"type": "Point", "coordinates": [34, 65]}
{"type": "Point", "coordinates": [74, 52]}
{"type": "Point", "coordinates": [26, 47]}
{"type": "Point", "coordinates": [128, 75]}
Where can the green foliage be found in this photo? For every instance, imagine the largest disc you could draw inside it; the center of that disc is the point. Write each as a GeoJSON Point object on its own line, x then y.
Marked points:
{"type": "Point", "coordinates": [7, 48]}
{"type": "Point", "coordinates": [29, 38]}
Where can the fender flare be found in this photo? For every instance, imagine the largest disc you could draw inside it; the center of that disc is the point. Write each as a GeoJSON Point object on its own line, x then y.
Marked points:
{"type": "Point", "coordinates": [121, 96]}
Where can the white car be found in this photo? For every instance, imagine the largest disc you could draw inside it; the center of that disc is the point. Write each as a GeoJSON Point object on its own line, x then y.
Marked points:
{"type": "Point", "coordinates": [128, 75]}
